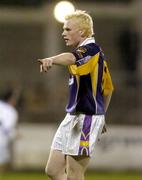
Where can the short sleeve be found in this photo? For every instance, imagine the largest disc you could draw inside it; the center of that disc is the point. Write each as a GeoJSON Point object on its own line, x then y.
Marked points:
{"type": "Point", "coordinates": [84, 53]}
{"type": "Point", "coordinates": [86, 57]}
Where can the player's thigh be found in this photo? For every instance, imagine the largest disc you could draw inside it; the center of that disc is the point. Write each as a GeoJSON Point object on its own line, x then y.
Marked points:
{"type": "Point", "coordinates": [76, 164]}
{"type": "Point", "coordinates": [56, 162]}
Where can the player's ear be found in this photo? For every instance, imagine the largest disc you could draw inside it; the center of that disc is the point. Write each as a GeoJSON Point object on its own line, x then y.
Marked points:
{"type": "Point", "coordinates": [82, 32]}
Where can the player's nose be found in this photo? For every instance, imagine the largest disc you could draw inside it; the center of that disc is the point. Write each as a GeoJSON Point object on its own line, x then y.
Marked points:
{"type": "Point", "coordinates": [64, 33]}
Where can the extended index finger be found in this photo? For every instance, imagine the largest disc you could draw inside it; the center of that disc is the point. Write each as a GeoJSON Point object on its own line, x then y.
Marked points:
{"type": "Point", "coordinates": [40, 60]}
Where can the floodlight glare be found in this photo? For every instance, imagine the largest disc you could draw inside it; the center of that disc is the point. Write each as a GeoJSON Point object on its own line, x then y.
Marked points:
{"type": "Point", "coordinates": [62, 9]}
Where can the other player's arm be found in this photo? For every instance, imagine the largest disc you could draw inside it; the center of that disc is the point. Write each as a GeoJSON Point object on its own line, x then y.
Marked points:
{"type": "Point", "coordinates": [64, 59]}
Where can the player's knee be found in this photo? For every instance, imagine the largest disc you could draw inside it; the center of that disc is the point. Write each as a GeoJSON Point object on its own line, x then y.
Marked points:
{"type": "Point", "coordinates": [52, 172]}
{"type": "Point", "coordinates": [49, 171]}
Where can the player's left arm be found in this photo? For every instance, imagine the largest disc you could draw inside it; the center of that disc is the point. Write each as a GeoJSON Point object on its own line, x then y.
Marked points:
{"type": "Point", "coordinates": [107, 86]}
{"type": "Point", "coordinates": [64, 59]}
{"type": "Point", "coordinates": [107, 99]}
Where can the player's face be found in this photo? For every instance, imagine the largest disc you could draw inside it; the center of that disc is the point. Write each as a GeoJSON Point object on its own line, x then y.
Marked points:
{"type": "Point", "coordinates": [71, 33]}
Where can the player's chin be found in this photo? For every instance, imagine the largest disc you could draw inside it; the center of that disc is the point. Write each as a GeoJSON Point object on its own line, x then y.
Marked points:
{"type": "Point", "coordinates": [69, 44]}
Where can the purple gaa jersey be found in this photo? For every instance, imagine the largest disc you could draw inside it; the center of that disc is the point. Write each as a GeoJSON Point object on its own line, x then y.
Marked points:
{"type": "Point", "coordinates": [89, 81]}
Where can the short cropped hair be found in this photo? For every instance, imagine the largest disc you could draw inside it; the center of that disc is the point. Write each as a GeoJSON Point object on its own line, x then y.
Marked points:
{"type": "Point", "coordinates": [86, 22]}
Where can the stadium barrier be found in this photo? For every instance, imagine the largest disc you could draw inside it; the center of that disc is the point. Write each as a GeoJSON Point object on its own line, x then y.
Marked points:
{"type": "Point", "coordinates": [119, 149]}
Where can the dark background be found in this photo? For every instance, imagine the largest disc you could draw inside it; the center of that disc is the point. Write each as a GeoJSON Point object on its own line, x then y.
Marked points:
{"type": "Point", "coordinates": [24, 38]}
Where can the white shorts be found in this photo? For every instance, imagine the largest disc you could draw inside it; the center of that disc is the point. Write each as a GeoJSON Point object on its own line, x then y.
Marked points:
{"type": "Point", "coordinates": [78, 134]}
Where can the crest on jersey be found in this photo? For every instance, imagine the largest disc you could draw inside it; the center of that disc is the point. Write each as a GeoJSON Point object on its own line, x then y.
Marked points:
{"type": "Point", "coordinates": [81, 51]}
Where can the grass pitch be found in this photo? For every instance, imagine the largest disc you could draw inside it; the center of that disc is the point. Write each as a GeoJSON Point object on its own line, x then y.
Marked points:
{"type": "Point", "coordinates": [89, 176]}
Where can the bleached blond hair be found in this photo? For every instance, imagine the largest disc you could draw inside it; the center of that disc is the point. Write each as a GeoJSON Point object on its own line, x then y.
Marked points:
{"type": "Point", "coordinates": [85, 21]}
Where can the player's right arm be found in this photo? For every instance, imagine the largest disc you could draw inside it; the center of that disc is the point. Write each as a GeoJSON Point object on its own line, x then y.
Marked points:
{"type": "Point", "coordinates": [64, 59]}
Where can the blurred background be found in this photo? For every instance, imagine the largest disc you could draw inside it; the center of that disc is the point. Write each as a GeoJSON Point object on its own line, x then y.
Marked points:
{"type": "Point", "coordinates": [28, 31]}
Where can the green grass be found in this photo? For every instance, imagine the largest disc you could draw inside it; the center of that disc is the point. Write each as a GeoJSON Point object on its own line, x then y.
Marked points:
{"type": "Point", "coordinates": [89, 176]}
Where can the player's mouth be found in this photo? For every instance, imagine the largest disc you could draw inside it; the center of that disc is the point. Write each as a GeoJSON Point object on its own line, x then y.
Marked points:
{"type": "Point", "coordinates": [66, 40]}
